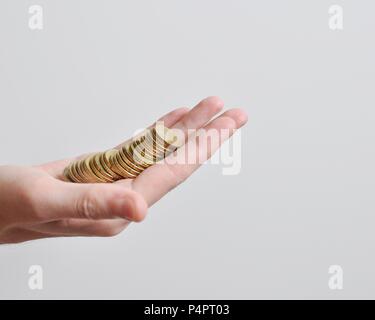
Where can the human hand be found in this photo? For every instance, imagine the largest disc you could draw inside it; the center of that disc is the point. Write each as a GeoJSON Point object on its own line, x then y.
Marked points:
{"type": "Point", "coordinates": [36, 203]}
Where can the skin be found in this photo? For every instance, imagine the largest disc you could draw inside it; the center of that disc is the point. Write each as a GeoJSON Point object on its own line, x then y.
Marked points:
{"type": "Point", "coordinates": [35, 203]}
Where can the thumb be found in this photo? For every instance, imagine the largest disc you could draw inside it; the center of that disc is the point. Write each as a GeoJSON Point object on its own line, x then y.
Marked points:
{"type": "Point", "coordinates": [91, 201]}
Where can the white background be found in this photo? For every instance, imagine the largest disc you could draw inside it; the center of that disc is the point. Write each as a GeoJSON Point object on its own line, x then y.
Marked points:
{"type": "Point", "coordinates": [305, 197]}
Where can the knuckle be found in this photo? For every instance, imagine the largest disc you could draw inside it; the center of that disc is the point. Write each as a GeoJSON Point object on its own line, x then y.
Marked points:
{"type": "Point", "coordinates": [86, 206]}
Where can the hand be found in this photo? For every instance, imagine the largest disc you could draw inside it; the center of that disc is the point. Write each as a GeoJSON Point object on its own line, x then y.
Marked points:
{"type": "Point", "coordinates": [35, 203]}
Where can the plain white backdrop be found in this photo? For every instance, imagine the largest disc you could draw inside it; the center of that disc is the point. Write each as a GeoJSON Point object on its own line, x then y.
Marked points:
{"type": "Point", "coordinates": [304, 200]}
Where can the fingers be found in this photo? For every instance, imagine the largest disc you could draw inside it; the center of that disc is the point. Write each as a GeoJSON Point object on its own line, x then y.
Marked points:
{"type": "Point", "coordinates": [108, 201]}
{"type": "Point", "coordinates": [65, 228]}
{"type": "Point", "coordinates": [96, 201]}
{"type": "Point", "coordinates": [82, 227]}
{"type": "Point", "coordinates": [56, 168]}
{"type": "Point", "coordinates": [172, 117]}
{"type": "Point", "coordinates": [169, 120]}
{"type": "Point", "coordinates": [157, 180]}
{"type": "Point", "coordinates": [88, 201]}
{"type": "Point", "coordinates": [200, 114]}
{"type": "Point", "coordinates": [183, 119]}
{"type": "Point", "coordinates": [17, 235]}
{"type": "Point", "coordinates": [179, 118]}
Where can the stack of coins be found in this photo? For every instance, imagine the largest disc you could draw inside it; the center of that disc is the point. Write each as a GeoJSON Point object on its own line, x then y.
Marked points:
{"type": "Point", "coordinates": [129, 161]}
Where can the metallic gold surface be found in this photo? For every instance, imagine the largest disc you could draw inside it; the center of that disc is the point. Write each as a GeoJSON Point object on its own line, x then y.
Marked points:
{"type": "Point", "coordinates": [147, 148]}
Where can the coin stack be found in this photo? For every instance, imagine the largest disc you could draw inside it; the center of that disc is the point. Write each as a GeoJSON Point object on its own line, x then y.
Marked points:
{"type": "Point", "coordinates": [127, 162]}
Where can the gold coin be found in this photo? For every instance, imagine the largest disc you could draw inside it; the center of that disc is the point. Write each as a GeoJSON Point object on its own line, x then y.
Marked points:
{"type": "Point", "coordinates": [141, 152]}
{"type": "Point", "coordinates": [106, 163]}
{"type": "Point", "coordinates": [128, 164]}
{"type": "Point", "coordinates": [128, 158]}
{"type": "Point", "coordinates": [147, 148]}
{"type": "Point", "coordinates": [172, 139]}
{"type": "Point", "coordinates": [79, 171]}
{"type": "Point", "coordinates": [153, 148]}
{"type": "Point", "coordinates": [161, 135]}
{"type": "Point", "coordinates": [97, 165]}
{"type": "Point", "coordinates": [156, 140]}
{"type": "Point", "coordinates": [167, 135]}
{"type": "Point", "coordinates": [69, 173]}
{"type": "Point", "coordinates": [66, 174]}
{"type": "Point", "coordinates": [121, 170]}
{"type": "Point", "coordinates": [115, 167]}
{"type": "Point", "coordinates": [150, 145]}
{"type": "Point", "coordinates": [159, 151]}
{"type": "Point", "coordinates": [98, 169]}
{"type": "Point", "coordinates": [135, 158]}
{"type": "Point", "coordinates": [73, 174]}
{"type": "Point", "coordinates": [139, 136]}
{"type": "Point", "coordinates": [129, 171]}
{"type": "Point", "coordinates": [157, 144]}
{"type": "Point", "coordinates": [88, 172]}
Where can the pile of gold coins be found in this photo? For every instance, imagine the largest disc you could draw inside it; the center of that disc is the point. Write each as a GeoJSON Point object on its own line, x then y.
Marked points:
{"type": "Point", "coordinates": [127, 162]}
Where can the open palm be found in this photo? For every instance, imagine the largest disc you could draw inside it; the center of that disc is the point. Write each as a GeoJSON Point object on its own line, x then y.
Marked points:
{"type": "Point", "coordinates": [35, 203]}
